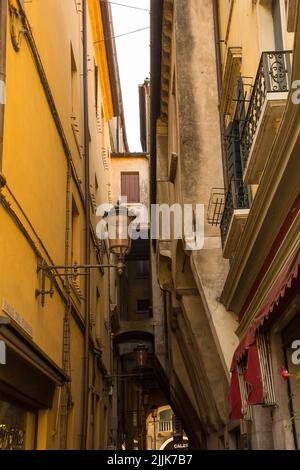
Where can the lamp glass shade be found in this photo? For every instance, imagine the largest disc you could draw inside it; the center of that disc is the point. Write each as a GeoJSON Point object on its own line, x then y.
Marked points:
{"type": "Point", "coordinates": [141, 355]}
{"type": "Point", "coordinates": [118, 221]}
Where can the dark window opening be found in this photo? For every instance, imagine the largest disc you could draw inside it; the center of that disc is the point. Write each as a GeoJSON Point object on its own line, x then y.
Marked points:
{"type": "Point", "coordinates": [143, 305]}
{"type": "Point", "coordinates": [142, 269]}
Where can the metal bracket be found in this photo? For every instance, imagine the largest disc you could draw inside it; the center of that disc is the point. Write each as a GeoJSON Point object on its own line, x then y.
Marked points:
{"type": "Point", "coordinates": [43, 292]}
{"type": "Point", "coordinates": [73, 271]}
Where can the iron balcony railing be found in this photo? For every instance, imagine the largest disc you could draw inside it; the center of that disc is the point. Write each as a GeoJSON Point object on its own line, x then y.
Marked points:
{"type": "Point", "coordinates": [236, 198]}
{"type": "Point", "coordinates": [165, 426]}
{"type": "Point", "coordinates": [273, 76]}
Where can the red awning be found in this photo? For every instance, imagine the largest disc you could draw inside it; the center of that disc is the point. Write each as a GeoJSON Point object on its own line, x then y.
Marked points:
{"type": "Point", "coordinates": [247, 346]}
{"type": "Point", "coordinates": [235, 396]}
{"type": "Point", "coordinates": [253, 377]}
{"type": "Point", "coordinates": [284, 282]}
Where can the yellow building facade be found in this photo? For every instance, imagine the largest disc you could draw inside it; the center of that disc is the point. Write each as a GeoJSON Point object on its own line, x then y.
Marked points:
{"type": "Point", "coordinates": [60, 116]}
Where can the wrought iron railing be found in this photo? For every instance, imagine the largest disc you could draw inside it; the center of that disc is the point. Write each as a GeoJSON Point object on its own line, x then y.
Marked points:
{"type": "Point", "coordinates": [273, 76]}
{"type": "Point", "coordinates": [236, 198]}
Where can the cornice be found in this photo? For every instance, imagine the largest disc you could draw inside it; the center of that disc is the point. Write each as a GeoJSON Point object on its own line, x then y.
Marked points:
{"type": "Point", "coordinates": [290, 244]}
{"type": "Point", "coordinates": [98, 33]}
{"type": "Point", "coordinates": [167, 29]}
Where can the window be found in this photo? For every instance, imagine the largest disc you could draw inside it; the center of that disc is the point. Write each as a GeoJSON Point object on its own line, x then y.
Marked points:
{"type": "Point", "coordinates": [74, 85]}
{"type": "Point", "coordinates": [264, 354]}
{"type": "Point", "coordinates": [130, 186]}
{"type": "Point", "coordinates": [142, 269]}
{"type": "Point", "coordinates": [75, 233]}
{"type": "Point", "coordinates": [96, 87]}
{"type": "Point", "coordinates": [166, 415]}
{"type": "Point", "coordinates": [246, 409]}
{"type": "Point", "coordinates": [98, 313]}
{"type": "Point", "coordinates": [143, 305]}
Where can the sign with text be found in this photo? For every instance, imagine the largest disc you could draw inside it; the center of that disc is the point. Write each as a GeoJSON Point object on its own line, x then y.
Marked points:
{"type": "Point", "coordinates": [16, 316]}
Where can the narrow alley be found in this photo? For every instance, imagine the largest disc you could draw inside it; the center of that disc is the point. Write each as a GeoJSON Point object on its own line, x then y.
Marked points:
{"type": "Point", "coordinates": [149, 225]}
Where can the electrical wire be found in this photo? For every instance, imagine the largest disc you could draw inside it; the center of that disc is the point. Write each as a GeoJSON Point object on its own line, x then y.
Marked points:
{"type": "Point", "coordinates": [127, 6]}
{"type": "Point", "coordinates": [120, 35]}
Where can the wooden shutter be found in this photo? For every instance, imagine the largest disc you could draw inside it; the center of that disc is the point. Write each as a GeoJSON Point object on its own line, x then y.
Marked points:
{"type": "Point", "coordinates": [233, 151]}
{"type": "Point", "coordinates": [130, 186]}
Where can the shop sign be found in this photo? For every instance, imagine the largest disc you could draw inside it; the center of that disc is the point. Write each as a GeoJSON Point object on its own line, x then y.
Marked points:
{"type": "Point", "coordinates": [17, 317]}
{"type": "Point", "coordinates": [11, 437]}
{"type": "Point", "coordinates": [176, 444]}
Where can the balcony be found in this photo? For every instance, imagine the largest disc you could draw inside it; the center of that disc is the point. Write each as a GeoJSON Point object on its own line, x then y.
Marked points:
{"type": "Point", "coordinates": [234, 217]}
{"type": "Point", "coordinates": [165, 426]}
{"type": "Point", "coordinates": [266, 107]}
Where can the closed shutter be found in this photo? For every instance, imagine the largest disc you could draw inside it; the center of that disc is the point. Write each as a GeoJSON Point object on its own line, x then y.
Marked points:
{"type": "Point", "coordinates": [130, 187]}
{"type": "Point", "coordinates": [233, 152]}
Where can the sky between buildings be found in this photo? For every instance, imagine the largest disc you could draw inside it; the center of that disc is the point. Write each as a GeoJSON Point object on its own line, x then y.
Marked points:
{"type": "Point", "coordinates": [134, 59]}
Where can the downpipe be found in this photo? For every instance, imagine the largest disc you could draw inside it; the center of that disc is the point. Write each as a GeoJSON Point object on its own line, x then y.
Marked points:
{"type": "Point", "coordinates": [3, 32]}
{"type": "Point", "coordinates": [87, 231]}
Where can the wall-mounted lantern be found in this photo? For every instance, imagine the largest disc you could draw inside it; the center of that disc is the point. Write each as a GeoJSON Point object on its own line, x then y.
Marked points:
{"type": "Point", "coordinates": [118, 222]}
{"type": "Point", "coordinates": [141, 355]}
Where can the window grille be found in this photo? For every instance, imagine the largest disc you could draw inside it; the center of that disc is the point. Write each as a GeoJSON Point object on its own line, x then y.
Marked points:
{"type": "Point", "coordinates": [264, 353]}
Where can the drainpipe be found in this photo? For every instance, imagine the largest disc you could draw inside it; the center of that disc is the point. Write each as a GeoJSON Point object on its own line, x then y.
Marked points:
{"type": "Point", "coordinates": [3, 30]}
{"type": "Point", "coordinates": [219, 80]}
{"type": "Point", "coordinates": [87, 230]}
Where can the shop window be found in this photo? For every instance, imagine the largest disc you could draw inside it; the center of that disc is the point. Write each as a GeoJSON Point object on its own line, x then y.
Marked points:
{"type": "Point", "coordinates": [17, 426]}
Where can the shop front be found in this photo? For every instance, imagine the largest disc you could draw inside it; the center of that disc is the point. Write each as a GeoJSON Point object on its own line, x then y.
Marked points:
{"type": "Point", "coordinates": [28, 380]}
{"type": "Point", "coordinates": [265, 370]}
{"type": "Point", "coordinates": [18, 425]}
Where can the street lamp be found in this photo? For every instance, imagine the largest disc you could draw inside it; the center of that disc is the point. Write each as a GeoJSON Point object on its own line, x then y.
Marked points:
{"type": "Point", "coordinates": [118, 220]}
{"type": "Point", "coordinates": [154, 417]}
{"type": "Point", "coordinates": [141, 355]}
